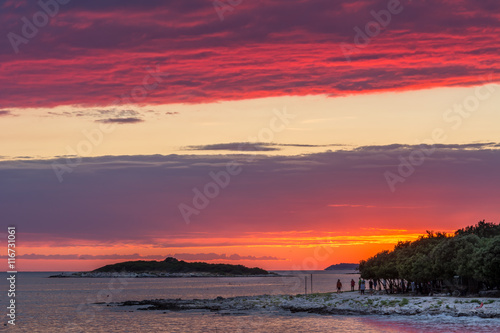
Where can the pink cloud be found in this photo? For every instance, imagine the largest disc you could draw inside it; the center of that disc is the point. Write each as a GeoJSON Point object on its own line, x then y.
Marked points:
{"type": "Point", "coordinates": [93, 53]}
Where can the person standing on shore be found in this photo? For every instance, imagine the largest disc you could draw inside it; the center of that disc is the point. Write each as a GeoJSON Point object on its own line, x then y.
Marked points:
{"type": "Point", "coordinates": [362, 287]}
{"type": "Point", "coordinates": [371, 287]}
{"type": "Point", "coordinates": [352, 284]}
{"type": "Point", "coordinates": [359, 285]}
{"type": "Point", "coordinates": [339, 286]}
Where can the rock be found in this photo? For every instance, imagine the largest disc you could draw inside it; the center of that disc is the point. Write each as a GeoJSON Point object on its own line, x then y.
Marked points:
{"type": "Point", "coordinates": [489, 293]}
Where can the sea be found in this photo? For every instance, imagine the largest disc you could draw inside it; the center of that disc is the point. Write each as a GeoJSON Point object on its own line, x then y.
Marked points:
{"type": "Point", "coordinates": [44, 304]}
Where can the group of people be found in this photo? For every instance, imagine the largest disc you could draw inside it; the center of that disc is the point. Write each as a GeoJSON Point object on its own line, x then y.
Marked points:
{"type": "Point", "coordinates": [388, 286]}
{"type": "Point", "coordinates": [361, 286]}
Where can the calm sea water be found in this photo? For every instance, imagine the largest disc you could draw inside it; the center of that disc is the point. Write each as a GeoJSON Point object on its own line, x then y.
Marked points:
{"type": "Point", "coordinates": [66, 305]}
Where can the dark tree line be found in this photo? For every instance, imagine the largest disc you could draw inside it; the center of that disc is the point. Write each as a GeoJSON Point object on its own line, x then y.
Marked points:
{"type": "Point", "coordinates": [469, 260]}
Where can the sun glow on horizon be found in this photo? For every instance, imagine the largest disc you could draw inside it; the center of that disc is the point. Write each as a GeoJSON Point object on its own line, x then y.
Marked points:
{"type": "Point", "coordinates": [270, 251]}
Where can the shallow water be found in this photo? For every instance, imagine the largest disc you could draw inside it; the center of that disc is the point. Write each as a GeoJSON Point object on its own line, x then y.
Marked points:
{"type": "Point", "coordinates": [67, 305]}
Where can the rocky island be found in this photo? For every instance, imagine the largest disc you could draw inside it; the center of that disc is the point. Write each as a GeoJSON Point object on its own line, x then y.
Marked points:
{"type": "Point", "coordinates": [342, 267]}
{"type": "Point", "coordinates": [170, 267]}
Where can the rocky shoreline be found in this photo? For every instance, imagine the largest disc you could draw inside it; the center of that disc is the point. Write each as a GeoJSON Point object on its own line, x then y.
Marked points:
{"type": "Point", "coordinates": [347, 303]}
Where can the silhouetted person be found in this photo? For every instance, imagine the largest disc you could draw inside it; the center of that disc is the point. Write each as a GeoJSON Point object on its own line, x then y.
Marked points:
{"type": "Point", "coordinates": [352, 284]}
{"type": "Point", "coordinates": [384, 283]}
{"type": "Point", "coordinates": [339, 286]}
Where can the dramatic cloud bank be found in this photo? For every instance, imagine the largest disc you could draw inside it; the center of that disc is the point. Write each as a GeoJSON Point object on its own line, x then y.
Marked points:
{"type": "Point", "coordinates": [136, 256]}
{"type": "Point", "coordinates": [157, 52]}
{"type": "Point", "coordinates": [136, 199]}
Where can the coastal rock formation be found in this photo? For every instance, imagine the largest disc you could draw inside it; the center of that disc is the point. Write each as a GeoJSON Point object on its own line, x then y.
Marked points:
{"type": "Point", "coordinates": [332, 304]}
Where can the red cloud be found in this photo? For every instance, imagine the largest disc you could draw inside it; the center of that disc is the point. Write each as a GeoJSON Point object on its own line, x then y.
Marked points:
{"type": "Point", "coordinates": [95, 53]}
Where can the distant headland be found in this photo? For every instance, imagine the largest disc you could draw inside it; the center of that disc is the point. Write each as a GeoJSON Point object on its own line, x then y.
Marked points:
{"type": "Point", "coordinates": [342, 266]}
{"type": "Point", "coordinates": [170, 267]}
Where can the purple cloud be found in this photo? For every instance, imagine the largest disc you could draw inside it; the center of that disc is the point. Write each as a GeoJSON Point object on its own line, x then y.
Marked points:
{"type": "Point", "coordinates": [134, 199]}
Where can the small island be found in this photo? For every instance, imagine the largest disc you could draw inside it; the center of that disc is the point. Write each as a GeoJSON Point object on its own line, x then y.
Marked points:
{"type": "Point", "coordinates": [342, 267]}
{"type": "Point", "coordinates": [170, 267]}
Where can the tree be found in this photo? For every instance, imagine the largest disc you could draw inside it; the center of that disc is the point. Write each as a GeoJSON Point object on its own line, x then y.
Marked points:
{"type": "Point", "coordinates": [473, 253]}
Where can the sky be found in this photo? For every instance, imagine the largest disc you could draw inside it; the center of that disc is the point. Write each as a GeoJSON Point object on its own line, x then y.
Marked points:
{"type": "Point", "coordinates": [277, 134]}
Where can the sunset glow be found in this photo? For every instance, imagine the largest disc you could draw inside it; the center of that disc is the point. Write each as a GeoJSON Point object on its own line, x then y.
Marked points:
{"type": "Point", "coordinates": [137, 130]}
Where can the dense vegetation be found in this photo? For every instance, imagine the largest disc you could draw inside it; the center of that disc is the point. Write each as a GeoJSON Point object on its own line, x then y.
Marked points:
{"type": "Point", "coordinates": [172, 265]}
{"type": "Point", "coordinates": [469, 260]}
